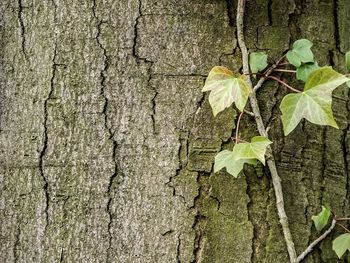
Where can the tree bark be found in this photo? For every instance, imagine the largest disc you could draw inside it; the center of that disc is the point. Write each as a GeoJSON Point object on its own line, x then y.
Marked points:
{"type": "Point", "coordinates": [107, 142]}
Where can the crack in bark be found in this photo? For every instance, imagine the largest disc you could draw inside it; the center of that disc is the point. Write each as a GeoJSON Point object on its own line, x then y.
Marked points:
{"type": "Point", "coordinates": [269, 12]}
{"type": "Point", "coordinates": [178, 170]}
{"type": "Point", "coordinates": [178, 251]}
{"type": "Point", "coordinates": [345, 151]}
{"type": "Point", "coordinates": [182, 75]}
{"type": "Point", "coordinates": [62, 255]}
{"type": "Point", "coordinates": [17, 243]}
{"type": "Point", "coordinates": [146, 61]}
{"type": "Point", "coordinates": [336, 26]}
{"type": "Point", "coordinates": [153, 101]}
{"type": "Point", "coordinates": [249, 210]}
{"type": "Point", "coordinates": [45, 142]}
{"type": "Point", "coordinates": [134, 46]}
{"type": "Point", "coordinates": [200, 221]}
{"type": "Point", "coordinates": [230, 13]}
{"type": "Point", "coordinates": [200, 240]}
{"type": "Point", "coordinates": [23, 31]}
{"type": "Point", "coordinates": [108, 128]}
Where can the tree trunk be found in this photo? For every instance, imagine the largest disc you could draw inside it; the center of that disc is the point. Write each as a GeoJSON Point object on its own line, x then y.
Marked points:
{"type": "Point", "coordinates": [107, 142]}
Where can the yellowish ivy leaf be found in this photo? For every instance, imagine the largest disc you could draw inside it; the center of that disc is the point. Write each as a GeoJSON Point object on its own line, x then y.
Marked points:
{"type": "Point", "coordinates": [226, 89]}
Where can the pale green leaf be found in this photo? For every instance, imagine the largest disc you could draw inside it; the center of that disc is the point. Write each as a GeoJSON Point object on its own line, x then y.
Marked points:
{"type": "Point", "coordinates": [304, 71]}
{"type": "Point", "coordinates": [254, 150]}
{"type": "Point", "coordinates": [301, 53]}
{"type": "Point", "coordinates": [322, 218]}
{"type": "Point", "coordinates": [257, 61]}
{"type": "Point", "coordinates": [314, 103]}
{"type": "Point", "coordinates": [225, 89]}
{"type": "Point", "coordinates": [242, 153]}
{"type": "Point", "coordinates": [347, 60]}
{"type": "Point", "coordinates": [348, 84]}
{"type": "Point", "coordinates": [226, 159]}
{"type": "Point", "coordinates": [341, 244]}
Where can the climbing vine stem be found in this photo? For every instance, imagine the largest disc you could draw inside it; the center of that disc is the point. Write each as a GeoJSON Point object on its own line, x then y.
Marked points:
{"type": "Point", "coordinates": [261, 128]}
{"type": "Point", "coordinates": [312, 104]}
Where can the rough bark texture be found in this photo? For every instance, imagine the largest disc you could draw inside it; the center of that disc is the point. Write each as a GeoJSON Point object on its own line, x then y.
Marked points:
{"type": "Point", "coordinates": [107, 143]}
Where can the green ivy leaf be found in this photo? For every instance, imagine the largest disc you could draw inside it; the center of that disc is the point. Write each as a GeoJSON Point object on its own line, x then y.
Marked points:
{"type": "Point", "coordinates": [304, 71]}
{"type": "Point", "coordinates": [225, 89]}
{"type": "Point", "coordinates": [254, 150]}
{"type": "Point", "coordinates": [347, 60]}
{"type": "Point", "coordinates": [228, 159]}
{"type": "Point", "coordinates": [322, 218]}
{"type": "Point", "coordinates": [242, 153]}
{"type": "Point", "coordinates": [257, 61]}
{"type": "Point", "coordinates": [341, 244]}
{"type": "Point", "coordinates": [301, 53]}
{"type": "Point", "coordinates": [315, 102]}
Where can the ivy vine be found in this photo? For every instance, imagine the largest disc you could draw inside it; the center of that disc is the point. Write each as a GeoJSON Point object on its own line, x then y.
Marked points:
{"type": "Point", "coordinates": [313, 103]}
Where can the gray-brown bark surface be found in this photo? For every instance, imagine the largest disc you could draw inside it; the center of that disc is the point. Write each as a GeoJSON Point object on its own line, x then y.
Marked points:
{"type": "Point", "coordinates": [107, 142]}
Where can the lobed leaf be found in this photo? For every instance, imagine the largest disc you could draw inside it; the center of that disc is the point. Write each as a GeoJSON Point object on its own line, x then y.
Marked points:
{"type": "Point", "coordinates": [227, 159]}
{"type": "Point", "coordinates": [314, 103]}
{"type": "Point", "coordinates": [304, 71]}
{"type": "Point", "coordinates": [242, 153]}
{"type": "Point", "coordinates": [301, 53]}
{"type": "Point", "coordinates": [321, 220]}
{"type": "Point", "coordinates": [257, 61]}
{"type": "Point", "coordinates": [341, 244]}
{"type": "Point", "coordinates": [254, 150]}
{"type": "Point", "coordinates": [226, 89]}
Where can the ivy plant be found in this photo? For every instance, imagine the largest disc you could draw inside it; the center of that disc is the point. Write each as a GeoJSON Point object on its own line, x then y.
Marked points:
{"type": "Point", "coordinates": [313, 103]}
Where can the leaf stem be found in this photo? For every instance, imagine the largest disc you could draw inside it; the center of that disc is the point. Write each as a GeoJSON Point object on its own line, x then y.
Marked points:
{"type": "Point", "coordinates": [347, 230]}
{"type": "Point", "coordinates": [285, 64]}
{"type": "Point", "coordinates": [249, 113]}
{"type": "Point", "coordinates": [342, 218]}
{"type": "Point", "coordinates": [315, 242]}
{"type": "Point", "coordinates": [284, 84]}
{"type": "Point", "coordinates": [268, 72]}
{"type": "Point", "coordinates": [237, 126]}
{"type": "Point", "coordinates": [285, 70]}
{"type": "Point", "coordinates": [276, 180]}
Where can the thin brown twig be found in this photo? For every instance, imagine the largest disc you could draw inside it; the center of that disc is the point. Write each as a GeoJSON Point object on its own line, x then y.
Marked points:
{"type": "Point", "coordinates": [284, 84]}
{"type": "Point", "coordinates": [347, 230]}
{"type": "Point", "coordinates": [237, 126]}
{"type": "Point", "coordinates": [285, 70]}
{"type": "Point", "coordinates": [342, 218]}
{"type": "Point", "coordinates": [239, 140]}
{"type": "Point", "coordinates": [285, 64]}
{"type": "Point", "coordinates": [249, 113]}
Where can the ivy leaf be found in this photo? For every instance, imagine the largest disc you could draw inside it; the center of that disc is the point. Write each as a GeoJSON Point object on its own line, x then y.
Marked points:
{"type": "Point", "coordinates": [225, 89]}
{"type": "Point", "coordinates": [304, 71]}
{"type": "Point", "coordinates": [242, 153]}
{"type": "Point", "coordinates": [321, 219]}
{"type": "Point", "coordinates": [228, 159]}
{"type": "Point", "coordinates": [315, 102]}
{"type": "Point", "coordinates": [254, 150]}
{"type": "Point", "coordinates": [301, 53]}
{"type": "Point", "coordinates": [347, 60]}
{"type": "Point", "coordinates": [257, 61]}
{"type": "Point", "coordinates": [341, 244]}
